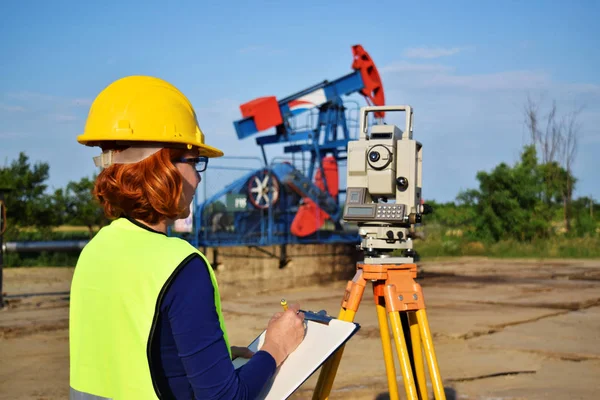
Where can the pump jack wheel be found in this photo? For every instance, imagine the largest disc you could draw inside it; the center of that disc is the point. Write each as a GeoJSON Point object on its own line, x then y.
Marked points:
{"type": "Point", "coordinates": [263, 189]}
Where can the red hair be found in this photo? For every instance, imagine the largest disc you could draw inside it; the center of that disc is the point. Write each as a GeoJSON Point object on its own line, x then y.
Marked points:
{"type": "Point", "coordinates": [149, 190]}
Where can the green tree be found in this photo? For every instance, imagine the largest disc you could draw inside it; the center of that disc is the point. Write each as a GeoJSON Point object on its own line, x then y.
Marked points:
{"type": "Point", "coordinates": [556, 138]}
{"type": "Point", "coordinates": [82, 207]}
{"type": "Point", "coordinates": [586, 221]}
{"type": "Point", "coordinates": [27, 204]}
{"type": "Point", "coordinates": [509, 202]}
{"type": "Point", "coordinates": [457, 215]}
{"type": "Point", "coordinates": [59, 203]}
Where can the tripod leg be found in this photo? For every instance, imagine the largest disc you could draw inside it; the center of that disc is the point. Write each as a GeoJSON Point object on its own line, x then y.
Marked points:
{"type": "Point", "coordinates": [352, 299]}
{"type": "Point", "coordinates": [387, 351]}
{"type": "Point", "coordinates": [436, 379]}
{"type": "Point", "coordinates": [417, 352]}
{"type": "Point", "coordinates": [407, 374]}
{"type": "Point", "coordinates": [329, 369]}
{"type": "Point", "coordinates": [409, 345]}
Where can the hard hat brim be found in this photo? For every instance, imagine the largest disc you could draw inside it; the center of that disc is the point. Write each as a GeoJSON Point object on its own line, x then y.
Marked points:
{"type": "Point", "coordinates": [203, 149]}
{"type": "Point", "coordinates": [209, 151]}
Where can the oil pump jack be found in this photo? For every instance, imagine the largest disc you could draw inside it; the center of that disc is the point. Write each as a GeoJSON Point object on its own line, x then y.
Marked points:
{"type": "Point", "coordinates": [282, 203]}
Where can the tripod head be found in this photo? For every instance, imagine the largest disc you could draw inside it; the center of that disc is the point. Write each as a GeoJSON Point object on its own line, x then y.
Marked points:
{"type": "Point", "coordinates": [384, 187]}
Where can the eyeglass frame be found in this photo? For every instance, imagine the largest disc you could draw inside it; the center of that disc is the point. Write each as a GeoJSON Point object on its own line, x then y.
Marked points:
{"type": "Point", "coordinates": [195, 160]}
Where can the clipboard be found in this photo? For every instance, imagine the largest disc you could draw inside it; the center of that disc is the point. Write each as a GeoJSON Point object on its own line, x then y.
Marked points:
{"type": "Point", "coordinates": [324, 335]}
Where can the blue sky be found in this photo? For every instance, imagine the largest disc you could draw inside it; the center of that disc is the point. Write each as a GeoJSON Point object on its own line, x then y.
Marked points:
{"type": "Point", "coordinates": [465, 66]}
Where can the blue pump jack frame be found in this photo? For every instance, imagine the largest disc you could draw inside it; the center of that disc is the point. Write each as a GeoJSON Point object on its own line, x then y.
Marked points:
{"type": "Point", "coordinates": [330, 136]}
{"type": "Point", "coordinates": [320, 141]}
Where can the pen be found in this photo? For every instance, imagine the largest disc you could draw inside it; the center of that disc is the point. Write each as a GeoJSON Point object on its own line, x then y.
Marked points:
{"type": "Point", "coordinates": [284, 304]}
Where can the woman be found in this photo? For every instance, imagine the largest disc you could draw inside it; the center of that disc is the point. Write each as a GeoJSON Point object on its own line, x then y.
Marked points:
{"type": "Point", "coordinates": [145, 313]}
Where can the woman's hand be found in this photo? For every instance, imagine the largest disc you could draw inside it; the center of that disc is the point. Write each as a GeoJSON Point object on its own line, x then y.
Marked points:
{"type": "Point", "coordinates": [285, 332]}
{"type": "Point", "coordinates": [243, 352]}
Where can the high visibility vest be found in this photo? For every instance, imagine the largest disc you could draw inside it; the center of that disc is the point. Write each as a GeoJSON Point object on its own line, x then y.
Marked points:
{"type": "Point", "coordinates": [120, 279]}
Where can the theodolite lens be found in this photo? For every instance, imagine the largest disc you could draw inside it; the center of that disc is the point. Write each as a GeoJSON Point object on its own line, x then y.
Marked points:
{"type": "Point", "coordinates": [374, 156]}
{"type": "Point", "coordinates": [402, 183]}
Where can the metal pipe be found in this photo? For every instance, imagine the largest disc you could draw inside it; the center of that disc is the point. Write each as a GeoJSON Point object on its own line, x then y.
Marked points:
{"type": "Point", "coordinates": [33, 247]}
{"type": "Point", "coordinates": [2, 226]}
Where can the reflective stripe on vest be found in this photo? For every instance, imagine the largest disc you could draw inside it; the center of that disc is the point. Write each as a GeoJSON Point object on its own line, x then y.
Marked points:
{"type": "Point", "coordinates": [119, 280]}
{"type": "Point", "coordinates": [77, 395]}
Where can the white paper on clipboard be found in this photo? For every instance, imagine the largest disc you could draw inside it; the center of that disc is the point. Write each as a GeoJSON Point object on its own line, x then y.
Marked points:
{"type": "Point", "coordinates": [319, 343]}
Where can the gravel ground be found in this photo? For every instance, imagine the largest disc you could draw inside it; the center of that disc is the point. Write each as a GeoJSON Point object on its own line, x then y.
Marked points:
{"type": "Point", "coordinates": [503, 329]}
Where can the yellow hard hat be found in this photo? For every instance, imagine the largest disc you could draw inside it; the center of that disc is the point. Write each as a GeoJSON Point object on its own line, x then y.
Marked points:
{"type": "Point", "coordinates": [144, 109]}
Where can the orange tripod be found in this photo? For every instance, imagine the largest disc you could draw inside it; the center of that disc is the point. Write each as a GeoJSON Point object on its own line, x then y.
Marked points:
{"type": "Point", "coordinates": [395, 292]}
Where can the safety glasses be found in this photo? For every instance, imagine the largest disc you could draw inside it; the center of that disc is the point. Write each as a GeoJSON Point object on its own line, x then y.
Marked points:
{"type": "Point", "coordinates": [199, 163]}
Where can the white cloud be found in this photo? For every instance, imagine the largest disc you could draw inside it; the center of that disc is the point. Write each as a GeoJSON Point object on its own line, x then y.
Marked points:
{"type": "Point", "coordinates": [34, 106]}
{"type": "Point", "coordinates": [405, 66]}
{"type": "Point", "coordinates": [402, 75]}
{"type": "Point", "coordinates": [527, 44]}
{"type": "Point", "coordinates": [219, 106]}
{"type": "Point", "coordinates": [259, 48]}
{"type": "Point", "coordinates": [63, 117]}
{"type": "Point", "coordinates": [10, 135]}
{"type": "Point", "coordinates": [473, 122]}
{"type": "Point", "coordinates": [444, 76]}
{"type": "Point", "coordinates": [591, 139]}
{"type": "Point", "coordinates": [216, 121]}
{"type": "Point", "coordinates": [250, 49]}
{"type": "Point", "coordinates": [432, 52]}
{"type": "Point", "coordinates": [507, 80]}
{"type": "Point", "coordinates": [31, 96]}
{"type": "Point", "coordinates": [81, 102]}
{"type": "Point", "coordinates": [35, 97]}
{"type": "Point", "coordinates": [11, 109]}
{"type": "Point", "coordinates": [582, 88]}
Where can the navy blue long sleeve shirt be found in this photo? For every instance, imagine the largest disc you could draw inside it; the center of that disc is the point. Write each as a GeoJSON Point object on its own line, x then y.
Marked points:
{"type": "Point", "coordinates": [189, 353]}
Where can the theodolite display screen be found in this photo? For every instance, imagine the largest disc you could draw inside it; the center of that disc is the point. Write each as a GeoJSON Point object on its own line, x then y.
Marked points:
{"type": "Point", "coordinates": [368, 211]}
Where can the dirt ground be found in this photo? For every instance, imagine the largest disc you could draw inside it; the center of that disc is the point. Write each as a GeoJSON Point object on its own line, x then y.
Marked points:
{"type": "Point", "coordinates": [503, 329]}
